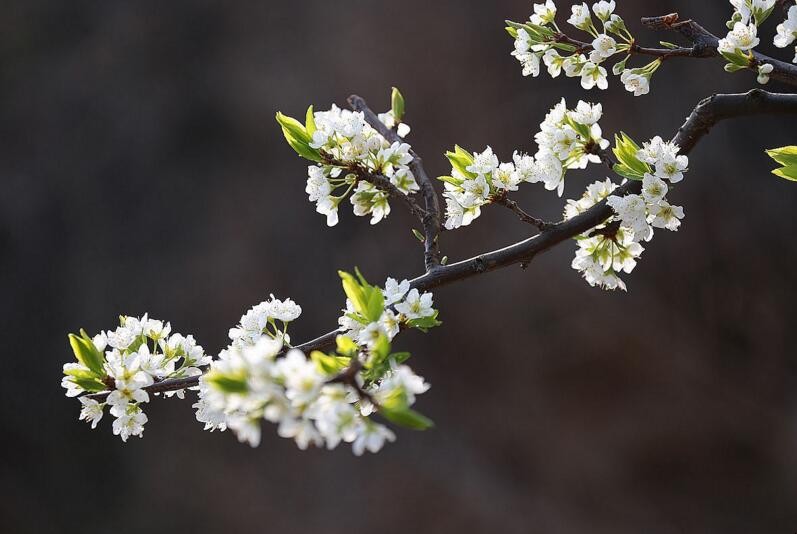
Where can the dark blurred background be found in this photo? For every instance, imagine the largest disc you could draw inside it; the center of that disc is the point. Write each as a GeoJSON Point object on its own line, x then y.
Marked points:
{"type": "Point", "coordinates": [143, 171]}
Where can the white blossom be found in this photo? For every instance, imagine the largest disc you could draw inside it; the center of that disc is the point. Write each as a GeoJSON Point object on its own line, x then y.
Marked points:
{"type": "Point", "coordinates": [787, 30]}
{"type": "Point", "coordinates": [544, 13]}
{"type": "Point", "coordinates": [654, 189]}
{"type": "Point", "coordinates": [742, 37]}
{"type": "Point", "coordinates": [395, 291]}
{"type": "Point", "coordinates": [603, 9]}
{"type": "Point", "coordinates": [416, 305]}
{"type": "Point", "coordinates": [666, 216]}
{"type": "Point", "coordinates": [580, 17]}
{"type": "Point", "coordinates": [636, 83]}
{"type": "Point", "coordinates": [91, 411]}
{"type": "Point", "coordinates": [603, 47]}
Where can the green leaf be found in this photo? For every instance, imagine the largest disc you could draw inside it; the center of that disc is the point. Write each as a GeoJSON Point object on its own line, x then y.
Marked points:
{"type": "Point", "coordinates": [669, 45]}
{"type": "Point", "coordinates": [789, 172]}
{"type": "Point", "coordinates": [92, 385]}
{"type": "Point", "coordinates": [511, 31]}
{"type": "Point", "coordinates": [737, 58]}
{"type": "Point", "coordinates": [376, 304]}
{"type": "Point", "coordinates": [297, 137]}
{"type": "Point", "coordinates": [419, 236]}
{"type": "Point", "coordinates": [328, 364]}
{"type": "Point", "coordinates": [227, 383]}
{"type": "Point", "coordinates": [397, 104]}
{"type": "Point", "coordinates": [354, 292]}
{"type": "Point", "coordinates": [461, 159]}
{"type": "Point", "coordinates": [400, 357]}
{"type": "Point", "coordinates": [346, 346]}
{"type": "Point", "coordinates": [406, 417]}
{"type": "Point", "coordinates": [785, 155]}
{"type": "Point", "coordinates": [564, 46]}
{"type": "Point", "coordinates": [87, 354]}
{"type": "Point", "coordinates": [450, 179]}
{"type": "Point", "coordinates": [629, 166]}
{"type": "Point", "coordinates": [425, 323]}
{"type": "Point", "coordinates": [309, 122]}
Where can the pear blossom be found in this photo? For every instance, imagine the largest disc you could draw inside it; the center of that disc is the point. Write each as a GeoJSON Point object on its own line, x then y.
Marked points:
{"type": "Point", "coordinates": [636, 83]}
{"type": "Point", "coordinates": [654, 189]}
{"type": "Point", "coordinates": [395, 291]}
{"type": "Point", "coordinates": [586, 113]}
{"type": "Point", "coordinates": [603, 47]}
{"type": "Point", "coordinates": [484, 163]}
{"type": "Point", "coordinates": [91, 411]}
{"type": "Point", "coordinates": [593, 75]}
{"type": "Point", "coordinates": [633, 212]}
{"type": "Point", "coordinates": [544, 13]}
{"type": "Point", "coordinates": [742, 37]}
{"type": "Point", "coordinates": [416, 305]}
{"type": "Point", "coordinates": [787, 30]}
{"type": "Point", "coordinates": [580, 17]}
{"type": "Point", "coordinates": [603, 9]}
{"type": "Point", "coordinates": [371, 437]}
{"type": "Point", "coordinates": [127, 425]}
{"type": "Point", "coordinates": [671, 167]}
{"type": "Point", "coordinates": [553, 61]}
{"type": "Point", "coordinates": [666, 216]}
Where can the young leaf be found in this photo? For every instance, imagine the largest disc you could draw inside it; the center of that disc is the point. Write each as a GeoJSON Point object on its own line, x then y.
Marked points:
{"type": "Point", "coordinates": [309, 122]}
{"type": "Point", "coordinates": [354, 292]}
{"type": "Point", "coordinates": [92, 385]}
{"type": "Point", "coordinates": [346, 346]}
{"type": "Point", "coordinates": [397, 104]}
{"type": "Point", "coordinates": [329, 365]}
{"type": "Point", "coordinates": [629, 166]}
{"type": "Point", "coordinates": [87, 354]}
{"type": "Point", "coordinates": [227, 383]}
{"type": "Point", "coordinates": [297, 137]}
{"type": "Point", "coordinates": [785, 155]}
{"type": "Point", "coordinates": [406, 417]}
{"type": "Point", "coordinates": [789, 172]}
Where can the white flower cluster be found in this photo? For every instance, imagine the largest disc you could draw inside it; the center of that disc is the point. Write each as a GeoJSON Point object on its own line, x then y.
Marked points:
{"type": "Point", "coordinates": [614, 246]}
{"type": "Point", "coordinates": [787, 31]}
{"type": "Point", "coordinates": [738, 44]}
{"type": "Point", "coordinates": [261, 321]}
{"type": "Point", "coordinates": [412, 308]}
{"type": "Point", "coordinates": [351, 148]}
{"type": "Point", "coordinates": [125, 361]}
{"type": "Point", "coordinates": [253, 381]}
{"type": "Point", "coordinates": [568, 139]}
{"type": "Point", "coordinates": [536, 42]}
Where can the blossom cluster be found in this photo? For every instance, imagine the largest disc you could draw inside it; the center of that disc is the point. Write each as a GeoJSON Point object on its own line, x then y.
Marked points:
{"type": "Point", "coordinates": [737, 46]}
{"type": "Point", "coordinates": [323, 399]}
{"type": "Point", "coordinates": [261, 321]}
{"type": "Point", "coordinates": [568, 139]}
{"type": "Point", "coordinates": [124, 362]}
{"type": "Point", "coordinates": [615, 246]}
{"type": "Point", "coordinates": [401, 306]}
{"type": "Point", "coordinates": [352, 159]}
{"type": "Point", "coordinates": [539, 41]}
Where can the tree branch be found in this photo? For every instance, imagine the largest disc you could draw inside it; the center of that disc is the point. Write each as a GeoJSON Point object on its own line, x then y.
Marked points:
{"type": "Point", "coordinates": [706, 114]}
{"type": "Point", "coordinates": [704, 45]}
{"type": "Point", "coordinates": [432, 219]}
{"type": "Point", "coordinates": [504, 200]}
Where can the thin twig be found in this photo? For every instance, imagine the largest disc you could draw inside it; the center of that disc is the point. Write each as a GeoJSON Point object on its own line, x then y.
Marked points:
{"type": "Point", "coordinates": [503, 200]}
{"type": "Point", "coordinates": [705, 43]}
{"type": "Point", "coordinates": [432, 219]}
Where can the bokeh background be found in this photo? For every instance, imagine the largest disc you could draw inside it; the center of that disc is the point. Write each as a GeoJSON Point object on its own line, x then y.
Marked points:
{"type": "Point", "coordinates": [142, 171]}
